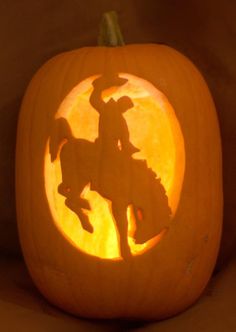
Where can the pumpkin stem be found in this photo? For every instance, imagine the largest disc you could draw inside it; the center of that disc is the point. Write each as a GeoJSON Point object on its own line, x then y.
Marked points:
{"type": "Point", "coordinates": [110, 33]}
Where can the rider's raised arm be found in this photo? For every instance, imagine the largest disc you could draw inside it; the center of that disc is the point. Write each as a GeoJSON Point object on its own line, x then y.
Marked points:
{"type": "Point", "coordinates": [96, 97]}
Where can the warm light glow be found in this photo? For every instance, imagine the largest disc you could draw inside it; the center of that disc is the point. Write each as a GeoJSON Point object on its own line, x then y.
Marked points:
{"type": "Point", "coordinates": [153, 129]}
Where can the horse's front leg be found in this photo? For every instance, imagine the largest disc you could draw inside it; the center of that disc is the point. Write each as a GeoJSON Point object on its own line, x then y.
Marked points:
{"type": "Point", "coordinates": [76, 204]}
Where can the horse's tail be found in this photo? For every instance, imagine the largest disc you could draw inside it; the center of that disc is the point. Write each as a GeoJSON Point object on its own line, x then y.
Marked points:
{"type": "Point", "coordinates": [60, 133]}
{"type": "Point", "coordinates": [150, 200]}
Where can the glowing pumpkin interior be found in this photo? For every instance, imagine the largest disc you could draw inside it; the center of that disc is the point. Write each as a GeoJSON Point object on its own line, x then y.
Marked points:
{"type": "Point", "coordinates": [152, 128]}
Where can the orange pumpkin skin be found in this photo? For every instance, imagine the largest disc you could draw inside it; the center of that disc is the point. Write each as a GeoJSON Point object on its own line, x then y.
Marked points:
{"type": "Point", "coordinates": [171, 276]}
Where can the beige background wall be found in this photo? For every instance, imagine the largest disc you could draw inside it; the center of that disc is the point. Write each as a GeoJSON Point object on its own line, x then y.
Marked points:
{"type": "Point", "coordinates": [33, 31]}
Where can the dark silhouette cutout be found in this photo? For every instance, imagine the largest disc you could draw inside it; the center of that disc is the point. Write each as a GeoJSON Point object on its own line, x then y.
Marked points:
{"type": "Point", "coordinates": [108, 165]}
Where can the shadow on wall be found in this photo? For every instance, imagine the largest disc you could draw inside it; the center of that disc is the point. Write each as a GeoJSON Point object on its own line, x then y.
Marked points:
{"type": "Point", "coordinates": [8, 231]}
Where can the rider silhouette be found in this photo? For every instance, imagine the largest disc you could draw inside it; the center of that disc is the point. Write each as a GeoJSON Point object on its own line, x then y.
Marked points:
{"type": "Point", "coordinates": [113, 130]}
{"type": "Point", "coordinates": [113, 136]}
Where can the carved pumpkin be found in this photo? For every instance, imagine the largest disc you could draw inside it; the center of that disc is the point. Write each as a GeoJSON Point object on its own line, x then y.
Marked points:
{"type": "Point", "coordinates": [118, 181]}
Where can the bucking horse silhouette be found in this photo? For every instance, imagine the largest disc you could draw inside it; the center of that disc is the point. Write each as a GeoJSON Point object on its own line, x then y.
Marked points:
{"type": "Point", "coordinates": [109, 167]}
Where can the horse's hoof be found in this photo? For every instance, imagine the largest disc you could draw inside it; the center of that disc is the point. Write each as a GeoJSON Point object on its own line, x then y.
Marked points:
{"type": "Point", "coordinates": [89, 228]}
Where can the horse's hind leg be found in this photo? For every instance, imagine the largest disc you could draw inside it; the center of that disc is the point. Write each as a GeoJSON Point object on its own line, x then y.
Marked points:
{"type": "Point", "coordinates": [120, 217]}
